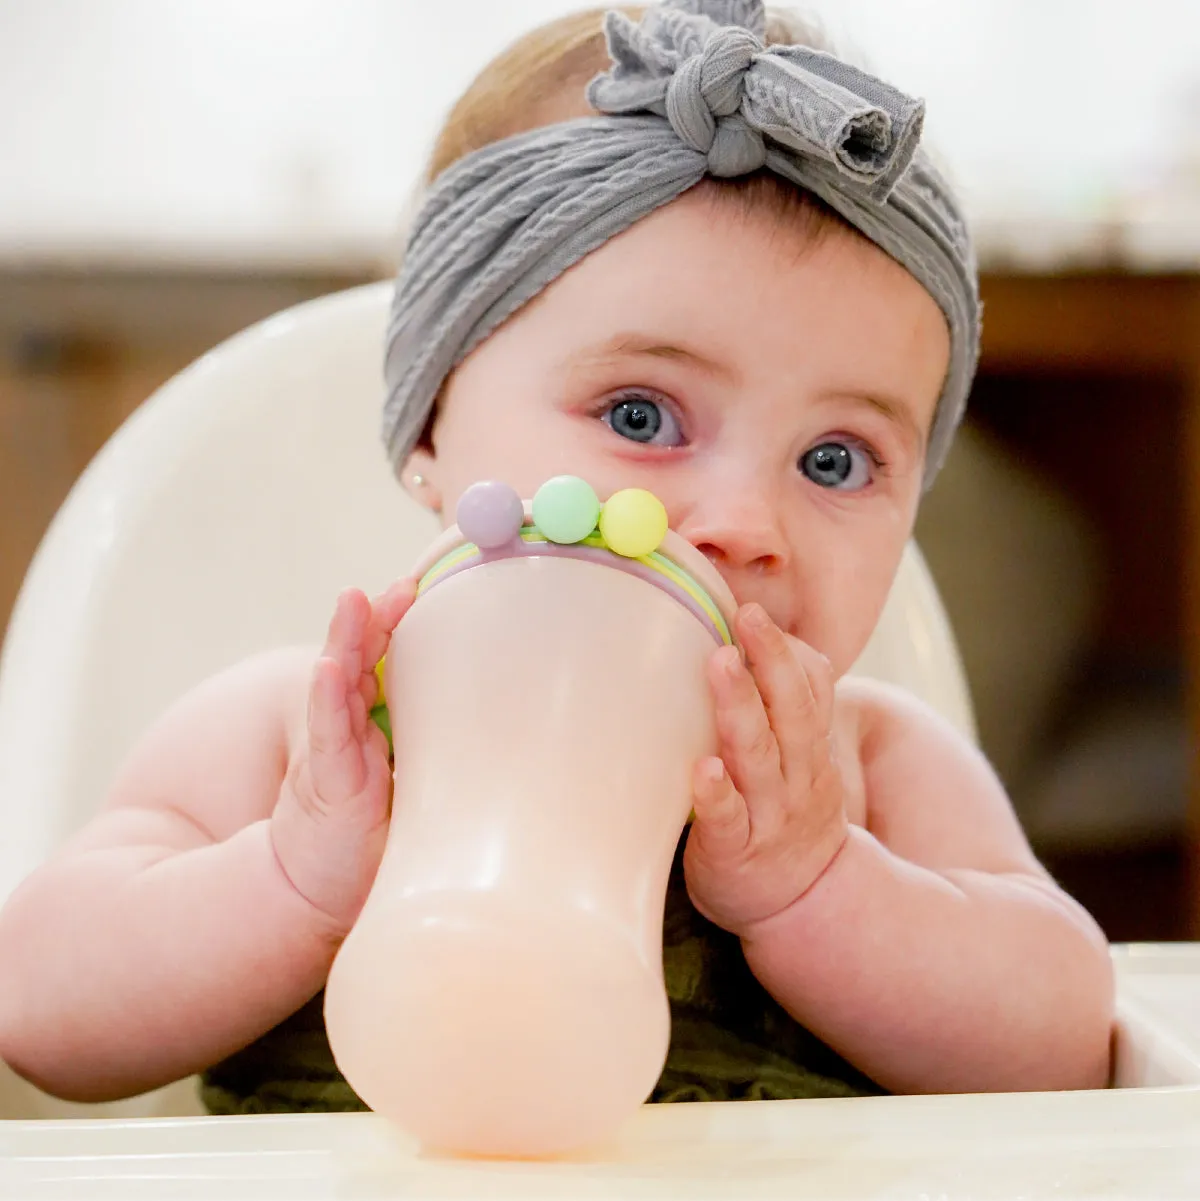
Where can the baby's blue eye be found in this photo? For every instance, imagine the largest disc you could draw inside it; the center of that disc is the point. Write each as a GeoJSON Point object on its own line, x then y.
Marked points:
{"type": "Point", "coordinates": [643, 420]}
{"type": "Point", "coordinates": [837, 465]}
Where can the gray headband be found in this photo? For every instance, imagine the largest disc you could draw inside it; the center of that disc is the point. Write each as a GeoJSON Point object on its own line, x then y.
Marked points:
{"type": "Point", "coordinates": [692, 92]}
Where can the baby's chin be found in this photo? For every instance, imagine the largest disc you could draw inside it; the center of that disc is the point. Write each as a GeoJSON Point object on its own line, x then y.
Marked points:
{"type": "Point", "coordinates": [841, 651]}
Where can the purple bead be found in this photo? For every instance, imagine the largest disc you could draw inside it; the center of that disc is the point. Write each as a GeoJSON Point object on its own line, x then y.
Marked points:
{"type": "Point", "coordinates": [489, 514]}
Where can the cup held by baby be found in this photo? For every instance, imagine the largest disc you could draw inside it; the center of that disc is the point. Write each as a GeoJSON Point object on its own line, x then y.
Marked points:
{"type": "Point", "coordinates": [502, 991]}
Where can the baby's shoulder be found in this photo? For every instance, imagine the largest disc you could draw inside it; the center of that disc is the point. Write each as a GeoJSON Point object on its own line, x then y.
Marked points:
{"type": "Point", "coordinates": [877, 712]}
{"type": "Point", "coordinates": [888, 740]}
{"type": "Point", "coordinates": [928, 791]}
{"type": "Point", "coordinates": [868, 717]}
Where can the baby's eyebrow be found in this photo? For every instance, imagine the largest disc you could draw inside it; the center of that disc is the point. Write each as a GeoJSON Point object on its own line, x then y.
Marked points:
{"type": "Point", "coordinates": [634, 345]}
{"type": "Point", "coordinates": [631, 345]}
{"type": "Point", "coordinates": [894, 410]}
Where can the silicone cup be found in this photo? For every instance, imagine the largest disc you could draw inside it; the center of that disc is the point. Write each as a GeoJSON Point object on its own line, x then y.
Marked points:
{"type": "Point", "coordinates": [502, 992]}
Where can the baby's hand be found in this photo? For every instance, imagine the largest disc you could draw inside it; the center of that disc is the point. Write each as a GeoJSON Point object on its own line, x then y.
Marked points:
{"type": "Point", "coordinates": [330, 824]}
{"type": "Point", "coordinates": [770, 816]}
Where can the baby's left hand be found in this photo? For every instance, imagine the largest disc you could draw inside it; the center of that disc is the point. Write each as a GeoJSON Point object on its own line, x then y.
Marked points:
{"type": "Point", "coordinates": [770, 813]}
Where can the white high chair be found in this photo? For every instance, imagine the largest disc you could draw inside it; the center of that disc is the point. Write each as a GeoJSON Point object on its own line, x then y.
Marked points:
{"type": "Point", "coordinates": [223, 518]}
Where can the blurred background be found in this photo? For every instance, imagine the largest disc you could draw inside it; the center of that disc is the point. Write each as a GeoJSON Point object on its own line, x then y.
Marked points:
{"type": "Point", "coordinates": [172, 170]}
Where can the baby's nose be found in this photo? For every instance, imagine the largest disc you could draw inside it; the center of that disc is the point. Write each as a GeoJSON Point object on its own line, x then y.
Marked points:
{"type": "Point", "coordinates": [738, 531]}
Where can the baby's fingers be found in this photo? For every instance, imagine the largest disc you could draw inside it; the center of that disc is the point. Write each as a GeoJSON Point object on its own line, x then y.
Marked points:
{"type": "Point", "coordinates": [336, 764]}
{"type": "Point", "coordinates": [386, 611]}
{"type": "Point", "coordinates": [722, 820]}
{"type": "Point", "coordinates": [347, 629]}
{"type": "Point", "coordinates": [748, 744]}
{"type": "Point", "coordinates": [358, 637]}
{"type": "Point", "coordinates": [791, 679]}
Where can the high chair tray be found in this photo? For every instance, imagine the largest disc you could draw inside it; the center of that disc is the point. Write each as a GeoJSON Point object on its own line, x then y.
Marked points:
{"type": "Point", "coordinates": [1141, 1139]}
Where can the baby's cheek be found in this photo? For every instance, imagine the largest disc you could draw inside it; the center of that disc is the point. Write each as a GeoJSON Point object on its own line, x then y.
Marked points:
{"type": "Point", "coordinates": [850, 613]}
{"type": "Point", "coordinates": [840, 636]}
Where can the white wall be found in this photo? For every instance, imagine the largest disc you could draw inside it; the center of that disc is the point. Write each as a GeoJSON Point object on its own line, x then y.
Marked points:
{"type": "Point", "coordinates": [292, 128]}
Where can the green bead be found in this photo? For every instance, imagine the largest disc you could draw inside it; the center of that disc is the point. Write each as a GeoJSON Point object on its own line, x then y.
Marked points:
{"type": "Point", "coordinates": [566, 509]}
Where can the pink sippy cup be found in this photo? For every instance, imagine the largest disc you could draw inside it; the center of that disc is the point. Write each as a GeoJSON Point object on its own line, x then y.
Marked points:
{"type": "Point", "coordinates": [502, 991]}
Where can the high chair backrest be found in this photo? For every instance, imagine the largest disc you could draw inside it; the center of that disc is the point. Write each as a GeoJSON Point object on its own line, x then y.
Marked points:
{"type": "Point", "coordinates": [223, 518]}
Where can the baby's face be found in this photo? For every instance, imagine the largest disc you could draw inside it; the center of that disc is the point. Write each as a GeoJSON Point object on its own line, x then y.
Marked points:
{"type": "Point", "coordinates": [774, 392]}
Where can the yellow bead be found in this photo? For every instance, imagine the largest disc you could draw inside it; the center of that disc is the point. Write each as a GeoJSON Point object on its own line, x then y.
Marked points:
{"type": "Point", "coordinates": [633, 522]}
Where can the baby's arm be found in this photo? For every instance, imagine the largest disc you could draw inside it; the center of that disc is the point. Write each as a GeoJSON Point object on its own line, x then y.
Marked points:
{"type": "Point", "coordinates": [929, 948]}
{"type": "Point", "coordinates": [206, 901]}
{"type": "Point", "coordinates": [935, 952]}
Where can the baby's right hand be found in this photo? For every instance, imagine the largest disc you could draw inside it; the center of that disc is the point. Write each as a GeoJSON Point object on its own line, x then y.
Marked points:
{"type": "Point", "coordinates": [330, 823]}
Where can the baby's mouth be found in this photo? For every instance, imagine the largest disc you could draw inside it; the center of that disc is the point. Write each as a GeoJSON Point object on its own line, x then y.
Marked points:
{"type": "Point", "coordinates": [783, 619]}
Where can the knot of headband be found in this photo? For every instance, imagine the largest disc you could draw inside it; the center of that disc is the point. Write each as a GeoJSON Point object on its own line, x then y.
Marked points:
{"type": "Point", "coordinates": [692, 92]}
{"type": "Point", "coordinates": [703, 99]}
{"type": "Point", "coordinates": [725, 95]}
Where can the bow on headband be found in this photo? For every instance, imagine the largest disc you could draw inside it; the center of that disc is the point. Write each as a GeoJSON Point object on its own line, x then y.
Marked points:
{"type": "Point", "coordinates": [692, 92]}
{"type": "Point", "coordinates": [724, 94]}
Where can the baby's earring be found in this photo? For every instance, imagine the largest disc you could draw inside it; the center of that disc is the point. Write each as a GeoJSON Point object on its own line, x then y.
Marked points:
{"type": "Point", "coordinates": [426, 494]}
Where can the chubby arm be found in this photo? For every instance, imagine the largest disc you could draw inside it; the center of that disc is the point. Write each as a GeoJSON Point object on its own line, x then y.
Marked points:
{"type": "Point", "coordinates": [206, 901]}
{"type": "Point", "coordinates": [934, 951]}
{"type": "Point", "coordinates": [166, 934]}
{"type": "Point", "coordinates": [927, 946]}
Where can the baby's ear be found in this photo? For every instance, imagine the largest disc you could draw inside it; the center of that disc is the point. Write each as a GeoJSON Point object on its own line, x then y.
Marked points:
{"type": "Point", "coordinates": [418, 479]}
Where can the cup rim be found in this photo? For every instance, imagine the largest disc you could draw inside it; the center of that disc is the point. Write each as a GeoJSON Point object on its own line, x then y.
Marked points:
{"type": "Point", "coordinates": [674, 548]}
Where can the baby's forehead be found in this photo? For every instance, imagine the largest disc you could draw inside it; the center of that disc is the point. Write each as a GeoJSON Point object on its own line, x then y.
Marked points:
{"type": "Point", "coordinates": [749, 260]}
{"type": "Point", "coordinates": [670, 301]}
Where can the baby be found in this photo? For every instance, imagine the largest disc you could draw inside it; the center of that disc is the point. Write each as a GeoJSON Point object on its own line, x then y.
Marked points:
{"type": "Point", "coordinates": [728, 276]}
